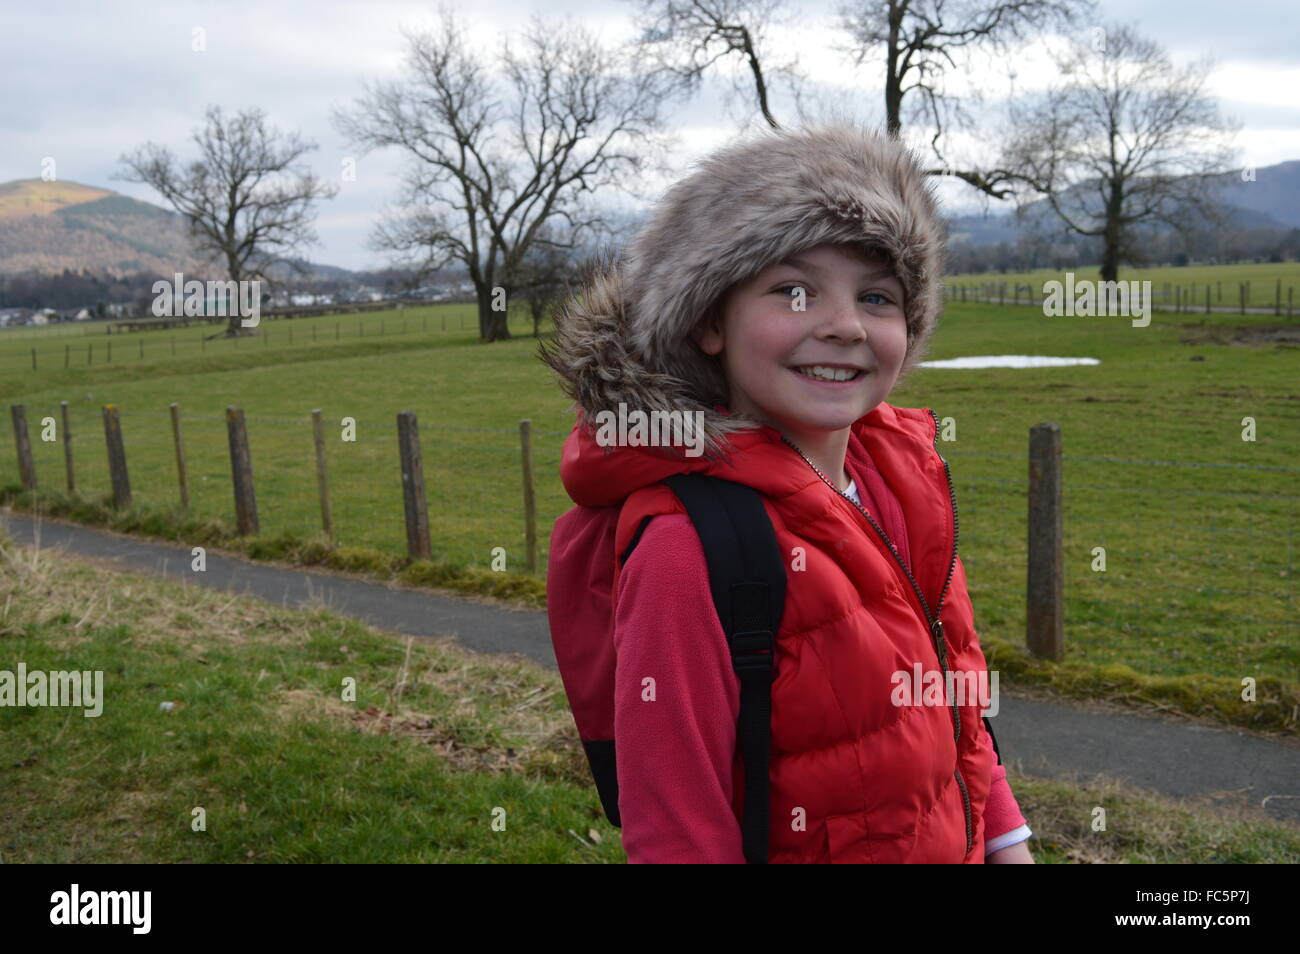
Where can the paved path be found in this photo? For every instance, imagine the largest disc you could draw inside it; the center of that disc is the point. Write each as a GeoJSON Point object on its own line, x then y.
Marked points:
{"type": "Point", "coordinates": [1047, 738]}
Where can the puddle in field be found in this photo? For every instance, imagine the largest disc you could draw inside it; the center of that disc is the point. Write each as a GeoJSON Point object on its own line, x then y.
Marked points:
{"type": "Point", "coordinates": [1008, 361]}
{"type": "Point", "coordinates": [1250, 335]}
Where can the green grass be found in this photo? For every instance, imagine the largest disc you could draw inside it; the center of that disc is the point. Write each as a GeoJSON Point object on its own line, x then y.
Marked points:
{"type": "Point", "coordinates": [1222, 279]}
{"type": "Point", "coordinates": [1198, 526]}
{"type": "Point", "coordinates": [469, 413]}
{"type": "Point", "coordinates": [438, 742]}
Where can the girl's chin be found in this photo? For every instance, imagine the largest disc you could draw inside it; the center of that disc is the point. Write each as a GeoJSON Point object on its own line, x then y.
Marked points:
{"type": "Point", "coordinates": [825, 418]}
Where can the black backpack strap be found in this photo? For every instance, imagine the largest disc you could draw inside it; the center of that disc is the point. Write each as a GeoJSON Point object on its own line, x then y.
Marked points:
{"type": "Point", "coordinates": [747, 578]}
{"type": "Point", "coordinates": [989, 725]}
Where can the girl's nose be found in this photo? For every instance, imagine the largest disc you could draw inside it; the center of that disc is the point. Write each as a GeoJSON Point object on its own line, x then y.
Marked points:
{"type": "Point", "coordinates": [843, 319]}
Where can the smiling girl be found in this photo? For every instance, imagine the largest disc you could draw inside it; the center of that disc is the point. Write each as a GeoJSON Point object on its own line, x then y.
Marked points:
{"type": "Point", "coordinates": [782, 291]}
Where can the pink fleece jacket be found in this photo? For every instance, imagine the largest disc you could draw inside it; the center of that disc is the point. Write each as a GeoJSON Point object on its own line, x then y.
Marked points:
{"type": "Point", "coordinates": [675, 756]}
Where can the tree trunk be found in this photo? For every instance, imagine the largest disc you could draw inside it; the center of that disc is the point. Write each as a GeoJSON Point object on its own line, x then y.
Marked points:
{"type": "Point", "coordinates": [893, 82]}
{"type": "Point", "coordinates": [233, 326]}
{"type": "Point", "coordinates": [1110, 248]}
{"type": "Point", "coordinates": [492, 324]}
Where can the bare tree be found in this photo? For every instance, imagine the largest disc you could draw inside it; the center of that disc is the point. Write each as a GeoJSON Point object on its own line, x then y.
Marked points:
{"type": "Point", "coordinates": [1126, 139]}
{"type": "Point", "coordinates": [247, 198]}
{"type": "Point", "coordinates": [581, 119]}
{"type": "Point", "coordinates": [685, 38]}
{"type": "Point", "coordinates": [918, 40]}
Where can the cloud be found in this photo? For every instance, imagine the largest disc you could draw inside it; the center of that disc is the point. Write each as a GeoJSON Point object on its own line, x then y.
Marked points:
{"type": "Point", "coordinates": [88, 81]}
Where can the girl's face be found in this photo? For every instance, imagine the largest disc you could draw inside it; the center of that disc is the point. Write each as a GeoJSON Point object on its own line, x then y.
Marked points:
{"type": "Point", "coordinates": [851, 318]}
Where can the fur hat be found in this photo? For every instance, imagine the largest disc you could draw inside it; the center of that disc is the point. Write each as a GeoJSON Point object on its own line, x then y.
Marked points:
{"type": "Point", "coordinates": [749, 205]}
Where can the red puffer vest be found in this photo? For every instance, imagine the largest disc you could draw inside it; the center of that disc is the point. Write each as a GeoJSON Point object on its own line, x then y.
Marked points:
{"type": "Point", "coordinates": [854, 778]}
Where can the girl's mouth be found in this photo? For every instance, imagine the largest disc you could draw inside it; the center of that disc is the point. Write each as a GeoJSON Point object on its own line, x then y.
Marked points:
{"type": "Point", "coordinates": [829, 382]}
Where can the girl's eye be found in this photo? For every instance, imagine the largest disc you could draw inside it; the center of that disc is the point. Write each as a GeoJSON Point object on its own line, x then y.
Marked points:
{"type": "Point", "coordinates": [884, 299]}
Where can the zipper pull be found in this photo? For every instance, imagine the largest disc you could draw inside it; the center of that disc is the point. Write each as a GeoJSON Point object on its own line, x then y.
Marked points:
{"type": "Point", "coordinates": [940, 646]}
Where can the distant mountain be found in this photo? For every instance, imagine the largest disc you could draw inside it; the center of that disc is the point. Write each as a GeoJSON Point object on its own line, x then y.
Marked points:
{"type": "Point", "coordinates": [52, 226]}
{"type": "Point", "coordinates": [25, 197]}
{"type": "Point", "coordinates": [1274, 195]}
{"type": "Point", "coordinates": [1272, 200]}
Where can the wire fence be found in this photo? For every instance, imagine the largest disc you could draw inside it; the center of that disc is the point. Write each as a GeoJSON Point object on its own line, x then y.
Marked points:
{"type": "Point", "coordinates": [49, 350]}
{"type": "Point", "coordinates": [1188, 554]}
{"type": "Point", "coordinates": [1168, 565]}
{"type": "Point", "coordinates": [1264, 297]}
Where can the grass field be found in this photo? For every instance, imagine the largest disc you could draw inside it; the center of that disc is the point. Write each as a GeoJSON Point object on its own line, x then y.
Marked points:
{"type": "Point", "coordinates": [1198, 525]}
{"type": "Point", "coordinates": [438, 744]}
{"type": "Point", "coordinates": [1222, 279]}
{"type": "Point", "coordinates": [469, 413]}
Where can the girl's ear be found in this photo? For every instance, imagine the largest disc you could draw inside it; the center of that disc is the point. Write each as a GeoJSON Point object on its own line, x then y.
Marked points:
{"type": "Point", "coordinates": [708, 333]}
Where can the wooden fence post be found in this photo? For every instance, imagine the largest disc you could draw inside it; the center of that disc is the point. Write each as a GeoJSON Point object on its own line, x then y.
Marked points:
{"type": "Point", "coordinates": [180, 454]}
{"type": "Point", "coordinates": [26, 465]}
{"type": "Point", "coordinates": [1241, 290]}
{"type": "Point", "coordinates": [1045, 610]}
{"type": "Point", "coordinates": [416, 504]}
{"type": "Point", "coordinates": [67, 446]}
{"type": "Point", "coordinates": [1277, 302]}
{"type": "Point", "coordinates": [318, 436]}
{"type": "Point", "coordinates": [241, 469]}
{"type": "Point", "coordinates": [530, 501]}
{"type": "Point", "coordinates": [116, 456]}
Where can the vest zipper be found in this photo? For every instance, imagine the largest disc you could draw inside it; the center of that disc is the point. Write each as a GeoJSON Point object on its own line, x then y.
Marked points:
{"type": "Point", "coordinates": [936, 624]}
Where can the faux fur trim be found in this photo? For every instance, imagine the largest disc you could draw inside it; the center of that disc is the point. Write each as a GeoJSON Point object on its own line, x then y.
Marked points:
{"type": "Point", "coordinates": [626, 335]}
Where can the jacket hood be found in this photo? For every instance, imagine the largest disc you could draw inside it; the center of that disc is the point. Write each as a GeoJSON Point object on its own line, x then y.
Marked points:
{"type": "Point", "coordinates": [600, 368]}
{"type": "Point", "coordinates": [624, 337]}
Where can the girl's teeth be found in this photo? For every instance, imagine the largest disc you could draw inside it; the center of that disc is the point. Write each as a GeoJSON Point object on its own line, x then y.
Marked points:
{"type": "Point", "coordinates": [837, 374]}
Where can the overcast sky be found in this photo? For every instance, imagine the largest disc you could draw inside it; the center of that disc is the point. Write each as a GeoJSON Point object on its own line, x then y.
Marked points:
{"type": "Point", "coordinates": [85, 82]}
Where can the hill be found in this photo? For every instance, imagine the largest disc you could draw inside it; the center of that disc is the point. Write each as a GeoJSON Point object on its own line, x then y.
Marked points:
{"type": "Point", "coordinates": [1271, 200]}
{"type": "Point", "coordinates": [51, 226]}
{"type": "Point", "coordinates": [35, 197]}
